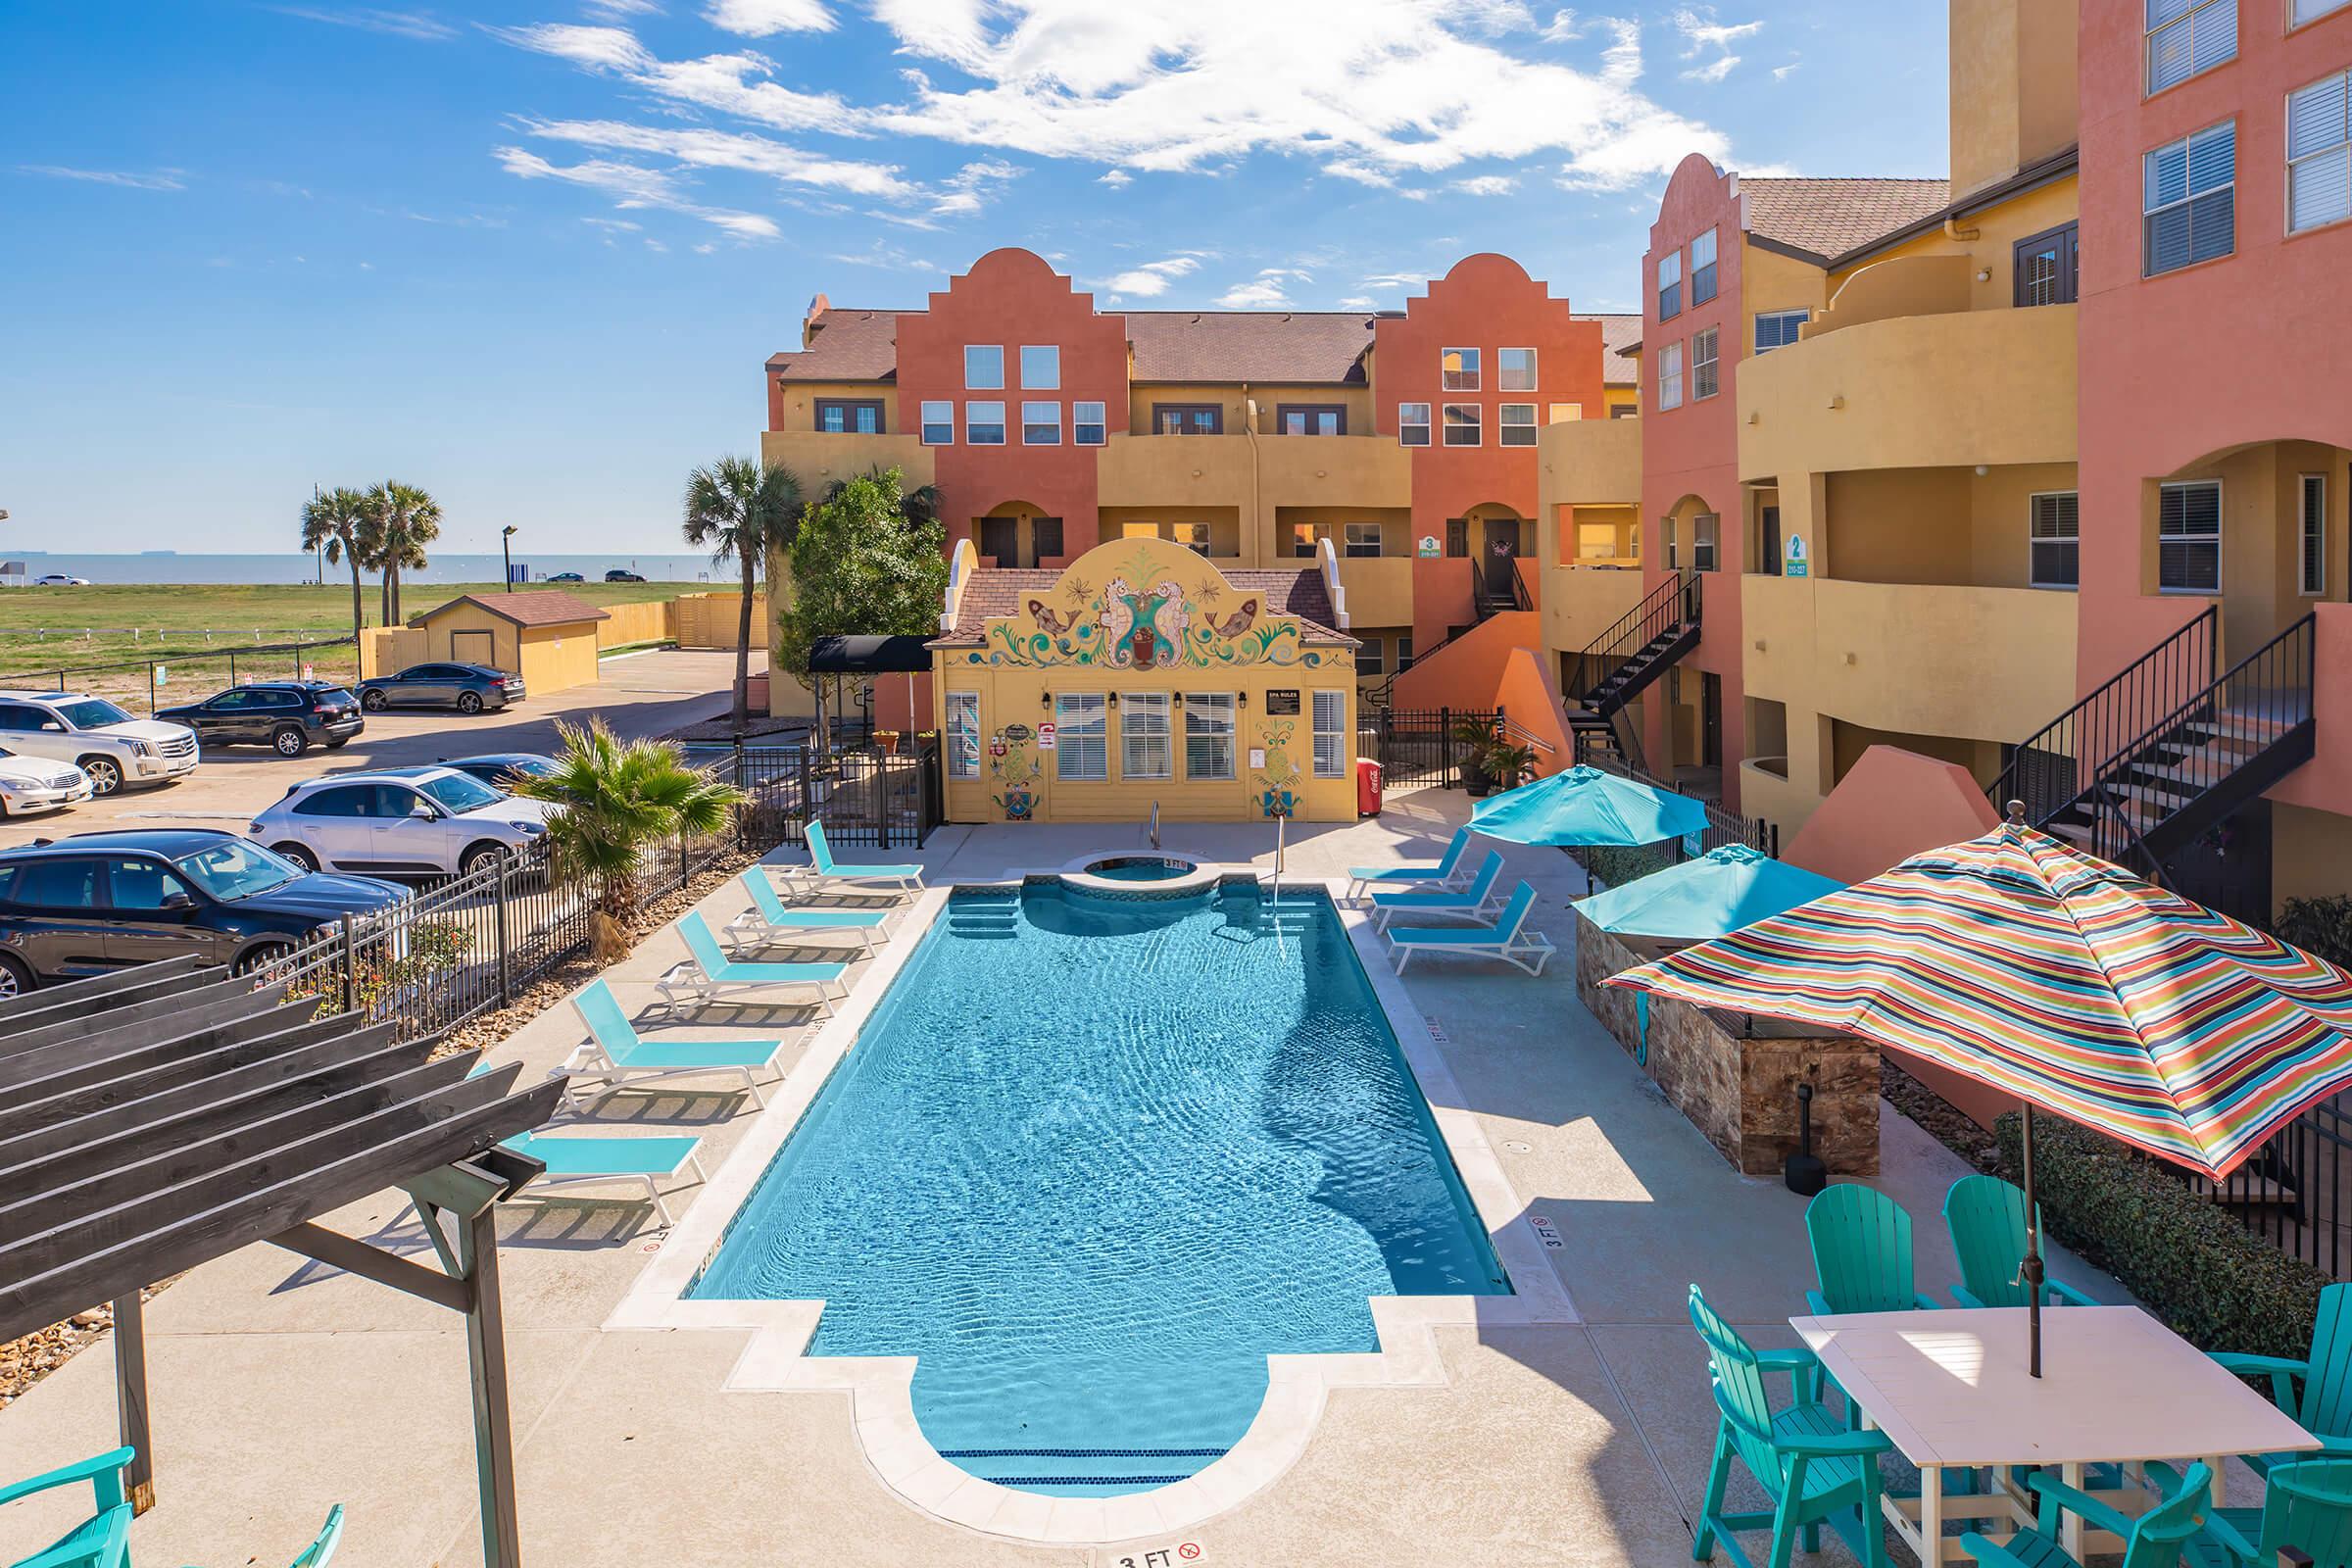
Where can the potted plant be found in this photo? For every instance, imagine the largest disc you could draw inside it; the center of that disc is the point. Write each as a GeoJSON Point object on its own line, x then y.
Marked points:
{"type": "Point", "coordinates": [1508, 763]}
{"type": "Point", "coordinates": [1473, 737]}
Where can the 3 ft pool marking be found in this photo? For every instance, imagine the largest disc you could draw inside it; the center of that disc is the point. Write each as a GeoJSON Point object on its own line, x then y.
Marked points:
{"type": "Point", "coordinates": [1541, 1225]}
{"type": "Point", "coordinates": [1182, 1552]}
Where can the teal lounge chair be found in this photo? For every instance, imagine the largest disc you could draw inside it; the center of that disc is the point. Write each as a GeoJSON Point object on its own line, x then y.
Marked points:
{"type": "Point", "coordinates": [2161, 1538]}
{"type": "Point", "coordinates": [1861, 1253]}
{"type": "Point", "coordinates": [770, 918]}
{"type": "Point", "coordinates": [826, 871]}
{"type": "Point", "coordinates": [2305, 1517]}
{"type": "Point", "coordinates": [579, 1161]}
{"type": "Point", "coordinates": [615, 1056]}
{"type": "Point", "coordinates": [2324, 1405]}
{"type": "Point", "coordinates": [1471, 904]}
{"type": "Point", "coordinates": [102, 1541]}
{"type": "Point", "coordinates": [1506, 938]}
{"type": "Point", "coordinates": [1447, 873]}
{"type": "Point", "coordinates": [707, 974]}
{"type": "Point", "coordinates": [1987, 1218]}
{"type": "Point", "coordinates": [1813, 1471]}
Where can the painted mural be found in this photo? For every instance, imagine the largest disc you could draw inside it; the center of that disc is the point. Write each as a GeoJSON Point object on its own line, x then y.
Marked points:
{"type": "Point", "coordinates": [1277, 782]}
{"type": "Point", "coordinates": [1159, 606]}
{"type": "Point", "coordinates": [1013, 771]}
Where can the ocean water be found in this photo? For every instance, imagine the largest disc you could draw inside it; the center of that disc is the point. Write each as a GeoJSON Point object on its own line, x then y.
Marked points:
{"type": "Point", "coordinates": [170, 566]}
{"type": "Point", "coordinates": [1093, 1160]}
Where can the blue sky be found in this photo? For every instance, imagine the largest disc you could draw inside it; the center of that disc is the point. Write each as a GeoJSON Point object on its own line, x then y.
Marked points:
{"type": "Point", "coordinates": [531, 256]}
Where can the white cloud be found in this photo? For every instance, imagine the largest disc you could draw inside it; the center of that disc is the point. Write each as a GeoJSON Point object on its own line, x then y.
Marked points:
{"type": "Point", "coordinates": [1396, 280]}
{"type": "Point", "coordinates": [419, 26]}
{"type": "Point", "coordinates": [1264, 294]}
{"type": "Point", "coordinates": [1150, 280]}
{"type": "Point", "coordinates": [720, 149]}
{"type": "Point", "coordinates": [968, 189]}
{"type": "Point", "coordinates": [1487, 186]}
{"type": "Point", "coordinates": [1713, 71]}
{"type": "Point", "coordinates": [614, 10]}
{"type": "Point", "coordinates": [597, 48]}
{"type": "Point", "coordinates": [158, 180]}
{"type": "Point", "coordinates": [1357, 302]}
{"type": "Point", "coordinates": [1783, 73]}
{"type": "Point", "coordinates": [705, 248]}
{"type": "Point", "coordinates": [1116, 178]}
{"type": "Point", "coordinates": [1705, 37]}
{"type": "Point", "coordinates": [634, 186]}
{"type": "Point", "coordinates": [757, 18]}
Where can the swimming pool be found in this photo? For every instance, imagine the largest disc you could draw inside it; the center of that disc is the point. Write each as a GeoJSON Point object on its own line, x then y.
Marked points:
{"type": "Point", "coordinates": [1091, 1161]}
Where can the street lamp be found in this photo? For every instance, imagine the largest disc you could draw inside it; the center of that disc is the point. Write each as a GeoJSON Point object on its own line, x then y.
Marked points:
{"type": "Point", "coordinates": [505, 553]}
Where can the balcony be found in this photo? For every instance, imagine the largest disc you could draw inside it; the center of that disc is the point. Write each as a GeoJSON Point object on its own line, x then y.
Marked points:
{"type": "Point", "coordinates": [1237, 471]}
{"type": "Point", "coordinates": [819, 458]}
{"type": "Point", "coordinates": [1580, 602]}
{"type": "Point", "coordinates": [1590, 462]}
{"type": "Point", "coordinates": [1908, 285]}
{"type": "Point", "coordinates": [1986, 663]}
{"type": "Point", "coordinates": [1943, 389]}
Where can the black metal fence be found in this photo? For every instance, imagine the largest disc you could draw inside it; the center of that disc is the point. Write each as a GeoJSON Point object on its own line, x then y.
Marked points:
{"type": "Point", "coordinates": [2293, 1192]}
{"type": "Point", "coordinates": [1417, 746]}
{"type": "Point", "coordinates": [192, 674]}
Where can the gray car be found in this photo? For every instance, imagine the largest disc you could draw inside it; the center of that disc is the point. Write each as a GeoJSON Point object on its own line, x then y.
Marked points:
{"type": "Point", "coordinates": [467, 688]}
{"type": "Point", "coordinates": [399, 821]}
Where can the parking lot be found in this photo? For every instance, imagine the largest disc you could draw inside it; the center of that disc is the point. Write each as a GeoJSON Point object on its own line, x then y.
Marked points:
{"type": "Point", "coordinates": [639, 693]}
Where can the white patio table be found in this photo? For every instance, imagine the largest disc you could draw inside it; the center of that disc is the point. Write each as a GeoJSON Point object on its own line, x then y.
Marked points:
{"type": "Point", "coordinates": [1950, 1390]}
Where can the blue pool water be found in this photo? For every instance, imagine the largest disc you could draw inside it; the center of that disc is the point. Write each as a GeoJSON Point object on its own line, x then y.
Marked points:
{"type": "Point", "coordinates": [1138, 869]}
{"type": "Point", "coordinates": [1095, 1157]}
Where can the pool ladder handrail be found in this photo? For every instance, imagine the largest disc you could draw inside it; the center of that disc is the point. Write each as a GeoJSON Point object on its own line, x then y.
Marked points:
{"type": "Point", "coordinates": [1155, 824]}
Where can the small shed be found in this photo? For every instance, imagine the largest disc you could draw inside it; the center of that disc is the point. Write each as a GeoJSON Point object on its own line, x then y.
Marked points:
{"type": "Point", "coordinates": [546, 636]}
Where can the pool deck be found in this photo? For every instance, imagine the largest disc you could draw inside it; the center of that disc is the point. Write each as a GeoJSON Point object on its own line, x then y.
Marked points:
{"type": "Point", "coordinates": [280, 1387]}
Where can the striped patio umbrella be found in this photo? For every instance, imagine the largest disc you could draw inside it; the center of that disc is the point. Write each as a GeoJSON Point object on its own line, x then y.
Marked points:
{"type": "Point", "coordinates": [2061, 979]}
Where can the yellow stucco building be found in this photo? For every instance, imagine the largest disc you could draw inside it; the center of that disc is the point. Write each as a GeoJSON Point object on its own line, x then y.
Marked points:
{"type": "Point", "coordinates": [1140, 675]}
{"type": "Point", "coordinates": [546, 636]}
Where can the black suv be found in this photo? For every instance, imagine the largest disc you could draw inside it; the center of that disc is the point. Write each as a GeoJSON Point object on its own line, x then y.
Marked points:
{"type": "Point", "coordinates": [106, 900]}
{"type": "Point", "coordinates": [285, 715]}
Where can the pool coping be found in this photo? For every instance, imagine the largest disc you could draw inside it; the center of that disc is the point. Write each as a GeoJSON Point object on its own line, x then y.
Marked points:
{"type": "Point", "coordinates": [881, 1387]}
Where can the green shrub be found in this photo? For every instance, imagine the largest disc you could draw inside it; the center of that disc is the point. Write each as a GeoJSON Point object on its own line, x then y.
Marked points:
{"type": "Point", "coordinates": [2321, 928]}
{"type": "Point", "coordinates": [1617, 864]}
{"type": "Point", "coordinates": [2216, 1283]}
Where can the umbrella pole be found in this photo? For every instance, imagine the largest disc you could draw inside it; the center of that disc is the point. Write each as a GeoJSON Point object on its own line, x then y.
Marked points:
{"type": "Point", "coordinates": [2030, 1272]}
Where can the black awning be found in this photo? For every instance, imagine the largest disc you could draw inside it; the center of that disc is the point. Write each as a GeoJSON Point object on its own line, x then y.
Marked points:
{"type": "Point", "coordinates": [869, 656]}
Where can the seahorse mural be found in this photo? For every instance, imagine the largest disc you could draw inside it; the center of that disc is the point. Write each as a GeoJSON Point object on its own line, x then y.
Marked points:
{"type": "Point", "coordinates": [1145, 630]}
{"type": "Point", "coordinates": [1277, 781]}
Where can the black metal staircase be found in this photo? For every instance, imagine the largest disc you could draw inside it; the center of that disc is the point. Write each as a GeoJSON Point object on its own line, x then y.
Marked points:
{"type": "Point", "coordinates": [1620, 664]}
{"type": "Point", "coordinates": [2179, 748]}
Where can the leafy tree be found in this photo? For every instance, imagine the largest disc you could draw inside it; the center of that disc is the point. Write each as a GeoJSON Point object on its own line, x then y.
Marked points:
{"type": "Point", "coordinates": [333, 521]}
{"type": "Point", "coordinates": [401, 520]}
{"type": "Point", "coordinates": [743, 507]}
{"type": "Point", "coordinates": [862, 565]}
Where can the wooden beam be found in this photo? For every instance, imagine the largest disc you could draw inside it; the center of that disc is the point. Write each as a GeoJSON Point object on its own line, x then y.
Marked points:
{"type": "Point", "coordinates": [23, 1055]}
{"type": "Point", "coordinates": [130, 1398]}
{"type": "Point", "coordinates": [114, 989]}
{"type": "Point", "coordinates": [493, 1420]}
{"type": "Point", "coordinates": [355, 1256]}
{"type": "Point", "coordinates": [150, 1067]}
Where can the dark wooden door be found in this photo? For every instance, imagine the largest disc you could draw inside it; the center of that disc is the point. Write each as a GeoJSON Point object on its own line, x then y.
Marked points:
{"type": "Point", "coordinates": [1001, 540]}
{"type": "Point", "coordinates": [2047, 266]}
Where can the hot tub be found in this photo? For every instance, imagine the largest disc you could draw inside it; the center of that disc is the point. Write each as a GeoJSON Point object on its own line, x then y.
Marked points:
{"type": "Point", "coordinates": [1140, 873]}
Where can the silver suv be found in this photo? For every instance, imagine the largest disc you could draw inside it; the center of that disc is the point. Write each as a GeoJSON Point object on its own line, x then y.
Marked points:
{"type": "Point", "coordinates": [399, 821]}
{"type": "Point", "coordinates": [97, 737]}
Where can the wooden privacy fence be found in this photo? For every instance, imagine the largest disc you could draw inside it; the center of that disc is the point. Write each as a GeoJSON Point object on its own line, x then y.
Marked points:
{"type": "Point", "coordinates": [713, 621]}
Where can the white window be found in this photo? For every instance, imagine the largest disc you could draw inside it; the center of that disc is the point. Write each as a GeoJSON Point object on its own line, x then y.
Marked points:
{"type": "Point", "coordinates": [1563, 412]}
{"type": "Point", "coordinates": [984, 424]}
{"type": "Point", "coordinates": [1208, 735]}
{"type": "Point", "coordinates": [2188, 37]}
{"type": "Point", "coordinates": [983, 367]}
{"type": "Point", "coordinates": [1702, 267]}
{"type": "Point", "coordinates": [1703, 531]}
{"type": "Point", "coordinates": [1515, 424]}
{"type": "Point", "coordinates": [1777, 329]}
{"type": "Point", "coordinates": [1670, 376]}
{"type": "Point", "coordinates": [939, 425]}
{"type": "Point", "coordinates": [964, 734]}
{"type": "Point", "coordinates": [1088, 426]}
{"type": "Point", "coordinates": [2303, 11]}
{"type": "Point", "coordinates": [1041, 424]}
{"type": "Point", "coordinates": [1371, 656]}
{"type": "Point", "coordinates": [1081, 748]}
{"type": "Point", "coordinates": [2319, 153]}
{"type": "Point", "coordinates": [2190, 206]}
{"type": "Point", "coordinates": [1673, 551]}
{"type": "Point", "coordinates": [1146, 750]}
{"type": "Point", "coordinates": [1460, 368]}
{"type": "Point", "coordinates": [1462, 424]}
{"type": "Point", "coordinates": [1412, 424]}
{"type": "Point", "coordinates": [1330, 734]}
{"type": "Point", "coordinates": [2057, 539]}
{"type": "Point", "coordinates": [1515, 370]}
{"type": "Point", "coordinates": [2188, 537]}
{"type": "Point", "coordinates": [1363, 539]}
{"type": "Point", "coordinates": [2311, 553]}
{"type": "Point", "coordinates": [1041, 367]}
{"type": "Point", "coordinates": [1670, 286]}
{"type": "Point", "coordinates": [1703, 383]}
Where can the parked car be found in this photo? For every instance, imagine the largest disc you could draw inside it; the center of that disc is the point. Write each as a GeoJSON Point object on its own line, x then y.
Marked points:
{"type": "Point", "coordinates": [399, 821]}
{"type": "Point", "coordinates": [29, 784]}
{"type": "Point", "coordinates": [109, 744]}
{"type": "Point", "coordinates": [284, 715]}
{"type": "Point", "coordinates": [499, 770]}
{"type": "Point", "coordinates": [568, 576]}
{"type": "Point", "coordinates": [105, 901]}
{"type": "Point", "coordinates": [618, 575]}
{"type": "Point", "coordinates": [59, 580]}
{"type": "Point", "coordinates": [467, 688]}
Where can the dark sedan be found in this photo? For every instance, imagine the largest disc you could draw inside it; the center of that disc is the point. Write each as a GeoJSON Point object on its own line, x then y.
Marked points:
{"type": "Point", "coordinates": [500, 769]}
{"type": "Point", "coordinates": [285, 715]}
{"type": "Point", "coordinates": [467, 688]}
{"type": "Point", "coordinates": [106, 900]}
{"type": "Point", "coordinates": [623, 575]}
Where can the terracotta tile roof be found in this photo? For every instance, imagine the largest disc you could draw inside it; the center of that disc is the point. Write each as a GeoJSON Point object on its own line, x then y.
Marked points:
{"type": "Point", "coordinates": [1002, 590]}
{"type": "Point", "coordinates": [1827, 217]}
{"type": "Point", "coordinates": [540, 606]}
{"type": "Point", "coordinates": [1618, 333]}
{"type": "Point", "coordinates": [1322, 346]}
{"type": "Point", "coordinates": [849, 346]}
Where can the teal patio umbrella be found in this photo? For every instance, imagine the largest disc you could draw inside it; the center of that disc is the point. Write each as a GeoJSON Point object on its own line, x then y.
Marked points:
{"type": "Point", "coordinates": [1707, 898]}
{"type": "Point", "coordinates": [1586, 806]}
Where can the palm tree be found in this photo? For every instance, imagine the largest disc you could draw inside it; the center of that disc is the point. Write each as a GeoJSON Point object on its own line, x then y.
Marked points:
{"type": "Point", "coordinates": [743, 507]}
{"type": "Point", "coordinates": [333, 523]}
{"type": "Point", "coordinates": [617, 798]}
{"type": "Point", "coordinates": [404, 521]}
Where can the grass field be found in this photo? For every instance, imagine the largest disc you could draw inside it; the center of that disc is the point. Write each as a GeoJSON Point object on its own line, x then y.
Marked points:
{"type": "Point", "coordinates": [46, 630]}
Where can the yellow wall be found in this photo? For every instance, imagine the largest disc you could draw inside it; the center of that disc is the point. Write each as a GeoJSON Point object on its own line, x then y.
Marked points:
{"type": "Point", "coordinates": [2311, 854]}
{"type": "Point", "coordinates": [549, 659]}
{"type": "Point", "coordinates": [389, 650]}
{"type": "Point", "coordinates": [1987, 241]}
{"type": "Point", "coordinates": [1021, 666]}
{"type": "Point", "coordinates": [1619, 397]}
{"type": "Point", "coordinates": [1232, 398]}
{"type": "Point", "coordinates": [2260, 536]}
{"type": "Point", "coordinates": [715, 619]}
{"type": "Point", "coordinates": [649, 622]}
{"type": "Point", "coordinates": [1254, 478]}
{"type": "Point", "coordinates": [800, 402]}
{"type": "Point", "coordinates": [555, 658]}
{"type": "Point", "coordinates": [820, 458]}
{"type": "Point", "coordinates": [2013, 96]}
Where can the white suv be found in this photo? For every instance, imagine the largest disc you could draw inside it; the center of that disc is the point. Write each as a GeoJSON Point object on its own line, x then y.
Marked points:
{"type": "Point", "coordinates": [399, 821]}
{"type": "Point", "coordinates": [97, 737]}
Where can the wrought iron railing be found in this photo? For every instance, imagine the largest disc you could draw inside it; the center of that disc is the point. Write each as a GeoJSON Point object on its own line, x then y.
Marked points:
{"type": "Point", "coordinates": [1674, 602]}
{"type": "Point", "coordinates": [2294, 1190]}
{"type": "Point", "coordinates": [1418, 745]}
{"type": "Point", "coordinates": [2055, 767]}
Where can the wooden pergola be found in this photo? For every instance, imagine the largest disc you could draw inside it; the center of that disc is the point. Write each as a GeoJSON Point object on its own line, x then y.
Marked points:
{"type": "Point", "coordinates": [158, 1117]}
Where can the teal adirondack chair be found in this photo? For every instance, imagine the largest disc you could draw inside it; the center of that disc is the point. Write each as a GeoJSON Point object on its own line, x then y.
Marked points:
{"type": "Point", "coordinates": [2306, 1510]}
{"type": "Point", "coordinates": [2324, 1407]}
{"type": "Point", "coordinates": [1861, 1253]}
{"type": "Point", "coordinates": [2157, 1539]}
{"type": "Point", "coordinates": [1813, 1469]}
{"type": "Point", "coordinates": [102, 1541]}
{"type": "Point", "coordinates": [1987, 1218]}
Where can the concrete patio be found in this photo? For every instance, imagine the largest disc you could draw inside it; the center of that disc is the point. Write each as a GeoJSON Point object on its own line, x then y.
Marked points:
{"type": "Point", "coordinates": [280, 1387]}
